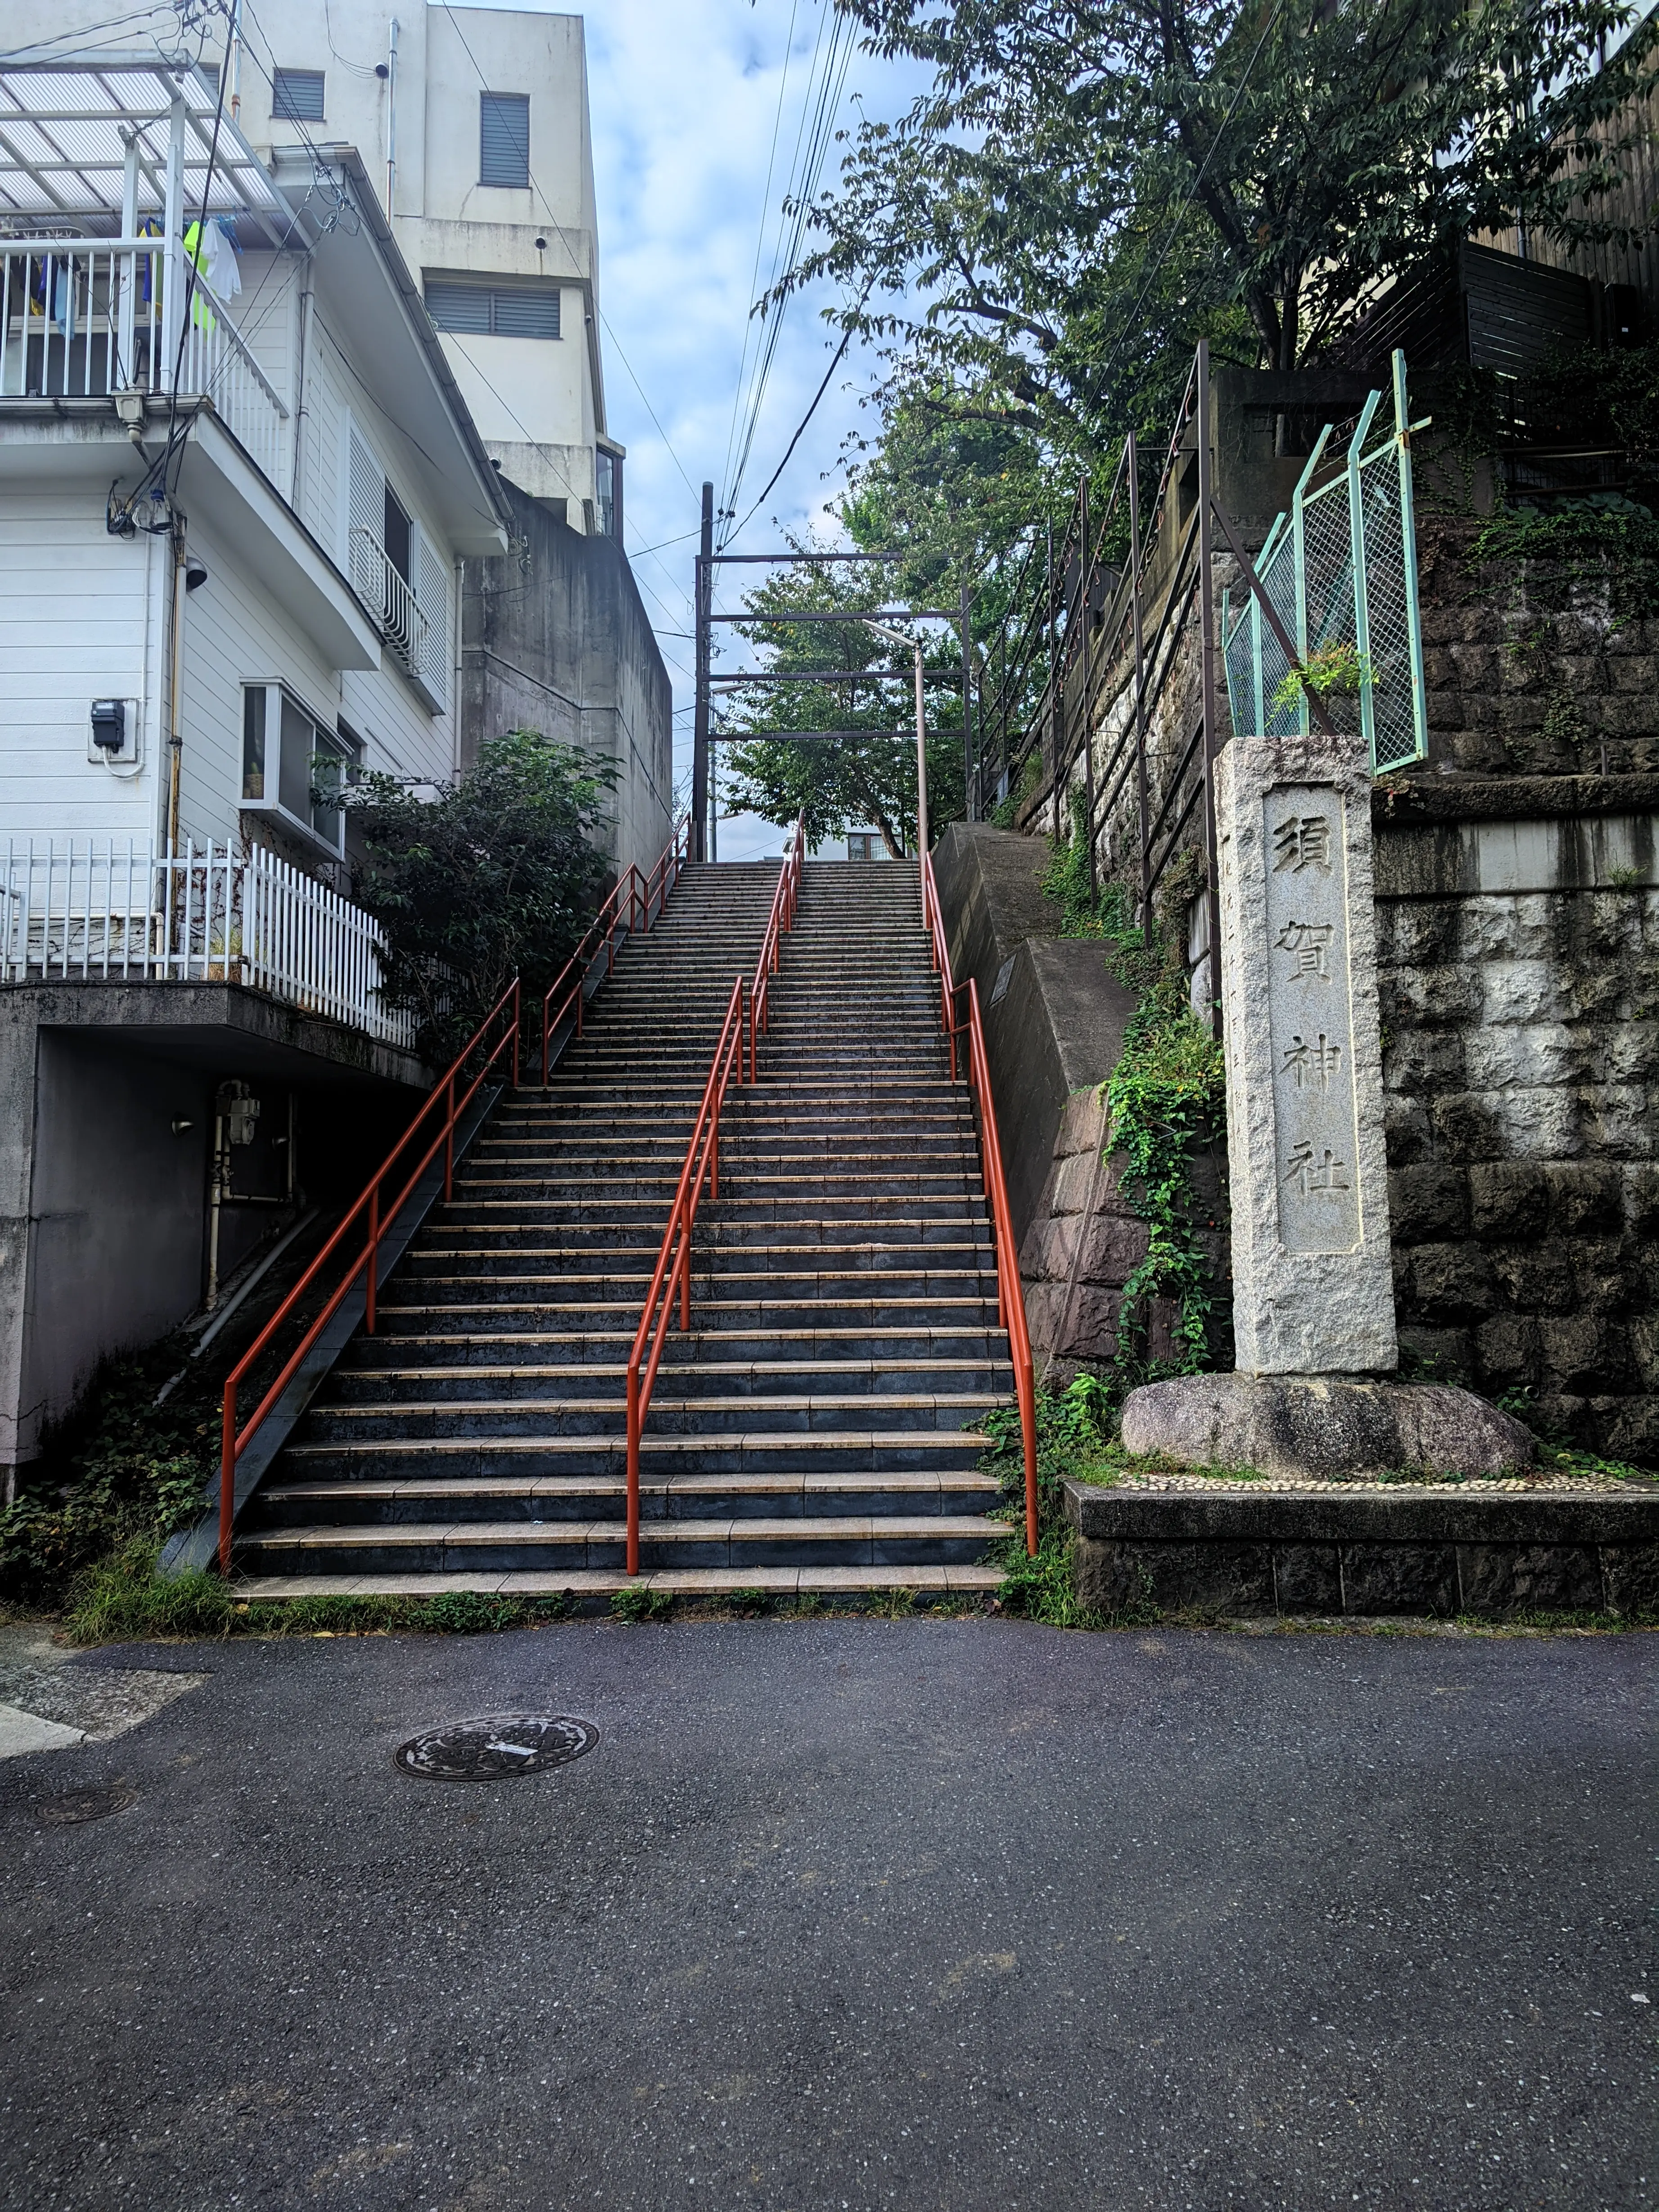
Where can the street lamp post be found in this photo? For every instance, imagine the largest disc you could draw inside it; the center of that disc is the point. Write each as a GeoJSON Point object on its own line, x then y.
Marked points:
{"type": "Point", "coordinates": [896, 637]}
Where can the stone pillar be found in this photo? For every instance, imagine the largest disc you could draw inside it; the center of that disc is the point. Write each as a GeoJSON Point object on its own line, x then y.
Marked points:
{"type": "Point", "coordinates": [1313, 1284]}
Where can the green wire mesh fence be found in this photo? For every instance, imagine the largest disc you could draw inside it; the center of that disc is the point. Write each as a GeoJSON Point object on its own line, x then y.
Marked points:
{"type": "Point", "coordinates": [1340, 570]}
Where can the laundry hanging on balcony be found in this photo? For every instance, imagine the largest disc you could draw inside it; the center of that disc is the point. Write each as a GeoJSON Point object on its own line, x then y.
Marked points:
{"type": "Point", "coordinates": [215, 258]}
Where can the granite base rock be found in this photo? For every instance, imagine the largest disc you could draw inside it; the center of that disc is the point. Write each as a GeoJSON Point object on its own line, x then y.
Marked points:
{"type": "Point", "coordinates": [1323, 1425]}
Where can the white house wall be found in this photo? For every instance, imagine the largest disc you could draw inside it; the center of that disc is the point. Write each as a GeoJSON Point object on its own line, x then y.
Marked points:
{"type": "Point", "coordinates": [78, 621]}
{"type": "Point", "coordinates": [234, 635]}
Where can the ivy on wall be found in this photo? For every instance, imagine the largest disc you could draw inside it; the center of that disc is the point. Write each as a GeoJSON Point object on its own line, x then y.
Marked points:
{"type": "Point", "coordinates": [1165, 1097]}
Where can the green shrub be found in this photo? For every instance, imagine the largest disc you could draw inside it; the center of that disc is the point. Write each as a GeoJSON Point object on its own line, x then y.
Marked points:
{"type": "Point", "coordinates": [635, 1604]}
{"type": "Point", "coordinates": [122, 1600]}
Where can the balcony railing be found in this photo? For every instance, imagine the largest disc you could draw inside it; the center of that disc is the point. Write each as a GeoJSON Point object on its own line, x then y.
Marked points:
{"type": "Point", "coordinates": [387, 595]}
{"type": "Point", "coordinates": [108, 910]}
{"type": "Point", "coordinates": [84, 318]}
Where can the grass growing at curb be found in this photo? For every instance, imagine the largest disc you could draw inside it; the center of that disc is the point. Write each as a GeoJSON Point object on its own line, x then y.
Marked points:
{"type": "Point", "coordinates": [122, 1600]}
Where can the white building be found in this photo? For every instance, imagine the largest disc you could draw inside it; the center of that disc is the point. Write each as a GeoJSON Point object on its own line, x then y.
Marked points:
{"type": "Point", "coordinates": [231, 539]}
{"type": "Point", "coordinates": [327, 479]}
{"type": "Point", "coordinates": [473, 125]}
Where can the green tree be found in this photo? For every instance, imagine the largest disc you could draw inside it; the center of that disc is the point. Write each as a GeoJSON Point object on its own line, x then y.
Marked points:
{"type": "Point", "coordinates": [836, 783]}
{"type": "Point", "coordinates": [497, 875]}
{"type": "Point", "coordinates": [1013, 242]}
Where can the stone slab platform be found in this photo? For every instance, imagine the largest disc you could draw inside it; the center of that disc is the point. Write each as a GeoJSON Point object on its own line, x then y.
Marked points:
{"type": "Point", "coordinates": [1237, 1553]}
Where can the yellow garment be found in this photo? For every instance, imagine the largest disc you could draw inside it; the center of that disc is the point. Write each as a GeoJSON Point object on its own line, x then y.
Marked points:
{"type": "Point", "coordinates": [200, 314]}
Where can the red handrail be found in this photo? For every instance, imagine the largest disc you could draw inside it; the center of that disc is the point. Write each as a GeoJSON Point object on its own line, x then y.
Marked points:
{"type": "Point", "coordinates": [644, 897]}
{"type": "Point", "coordinates": [235, 1442]}
{"type": "Point", "coordinates": [702, 1167]}
{"type": "Point", "coordinates": [673, 1270]}
{"type": "Point", "coordinates": [781, 918]}
{"type": "Point", "coordinates": [1011, 1294]}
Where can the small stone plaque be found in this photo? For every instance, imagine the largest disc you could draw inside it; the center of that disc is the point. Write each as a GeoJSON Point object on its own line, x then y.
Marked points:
{"type": "Point", "coordinates": [1311, 1020]}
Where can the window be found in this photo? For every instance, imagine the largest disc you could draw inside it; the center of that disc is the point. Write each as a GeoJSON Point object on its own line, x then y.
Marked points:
{"type": "Point", "coordinates": [607, 482]}
{"type": "Point", "coordinates": [483, 311]}
{"type": "Point", "coordinates": [396, 570]}
{"type": "Point", "coordinates": [865, 845]}
{"type": "Point", "coordinates": [287, 756]}
{"type": "Point", "coordinates": [296, 95]}
{"type": "Point", "coordinates": [397, 540]}
{"type": "Point", "coordinates": [504, 139]}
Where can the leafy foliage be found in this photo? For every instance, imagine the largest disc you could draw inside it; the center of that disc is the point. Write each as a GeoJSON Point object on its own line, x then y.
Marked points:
{"type": "Point", "coordinates": [1012, 239]}
{"type": "Point", "coordinates": [839, 783]}
{"type": "Point", "coordinates": [497, 875]}
{"type": "Point", "coordinates": [129, 1471]}
{"type": "Point", "coordinates": [1608, 541]}
{"type": "Point", "coordinates": [1164, 1099]}
{"type": "Point", "coordinates": [1335, 670]}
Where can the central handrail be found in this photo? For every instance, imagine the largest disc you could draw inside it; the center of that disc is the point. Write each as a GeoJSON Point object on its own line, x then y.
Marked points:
{"type": "Point", "coordinates": [748, 1003]}
{"type": "Point", "coordinates": [1011, 1293]}
{"type": "Point", "coordinates": [365, 1264]}
{"type": "Point", "coordinates": [643, 898]}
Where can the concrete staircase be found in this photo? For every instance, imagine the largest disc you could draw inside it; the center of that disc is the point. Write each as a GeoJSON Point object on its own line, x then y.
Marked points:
{"type": "Point", "coordinates": [808, 1434]}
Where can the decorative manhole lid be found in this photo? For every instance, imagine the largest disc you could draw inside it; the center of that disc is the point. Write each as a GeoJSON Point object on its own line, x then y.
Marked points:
{"type": "Point", "coordinates": [75, 1805]}
{"type": "Point", "coordinates": [500, 1744]}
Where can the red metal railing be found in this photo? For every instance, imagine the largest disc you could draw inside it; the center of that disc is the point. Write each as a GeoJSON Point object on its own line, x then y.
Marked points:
{"type": "Point", "coordinates": [635, 902]}
{"type": "Point", "coordinates": [747, 1007]}
{"type": "Point", "coordinates": [372, 1217]}
{"type": "Point", "coordinates": [1011, 1296]}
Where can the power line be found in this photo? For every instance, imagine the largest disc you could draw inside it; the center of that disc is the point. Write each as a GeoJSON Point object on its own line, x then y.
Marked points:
{"type": "Point", "coordinates": [760, 234]}
{"type": "Point", "coordinates": [800, 431]}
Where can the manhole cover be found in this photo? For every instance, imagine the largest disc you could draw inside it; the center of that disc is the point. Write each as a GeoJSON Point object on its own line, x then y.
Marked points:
{"type": "Point", "coordinates": [501, 1744]}
{"type": "Point", "coordinates": [79, 1805]}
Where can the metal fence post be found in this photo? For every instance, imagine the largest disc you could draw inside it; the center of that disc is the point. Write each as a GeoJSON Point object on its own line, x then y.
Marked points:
{"type": "Point", "coordinates": [1206, 654]}
{"type": "Point", "coordinates": [1408, 557]}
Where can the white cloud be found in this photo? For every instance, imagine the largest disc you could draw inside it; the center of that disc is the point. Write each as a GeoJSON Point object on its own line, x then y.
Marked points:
{"type": "Point", "coordinates": [684, 100]}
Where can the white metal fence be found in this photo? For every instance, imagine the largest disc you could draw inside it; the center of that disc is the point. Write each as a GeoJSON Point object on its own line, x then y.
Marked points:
{"type": "Point", "coordinates": [83, 319]}
{"type": "Point", "coordinates": [115, 910]}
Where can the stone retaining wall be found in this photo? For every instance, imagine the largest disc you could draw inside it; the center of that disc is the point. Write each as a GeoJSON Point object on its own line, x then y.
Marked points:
{"type": "Point", "coordinates": [1239, 1553]}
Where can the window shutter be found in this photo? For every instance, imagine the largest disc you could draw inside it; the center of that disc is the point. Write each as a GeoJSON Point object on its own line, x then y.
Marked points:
{"type": "Point", "coordinates": [365, 513]}
{"type": "Point", "coordinates": [297, 95]}
{"type": "Point", "coordinates": [504, 139]}
{"type": "Point", "coordinates": [432, 594]}
{"type": "Point", "coordinates": [524, 310]}
{"type": "Point", "coordinates": [527, 315]}
{"type": "Point", "coordinates": [463, 308]}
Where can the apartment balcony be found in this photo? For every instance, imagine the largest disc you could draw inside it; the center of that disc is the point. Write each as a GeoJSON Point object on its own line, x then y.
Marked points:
{"type": "Point", "coordinates": [84, 318]}
{"type": "Point", "coordinates": [116, 911]}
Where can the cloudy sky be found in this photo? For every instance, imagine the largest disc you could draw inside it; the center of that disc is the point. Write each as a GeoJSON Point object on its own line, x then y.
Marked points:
{"type": "Point", "coordinates": [686, 100]}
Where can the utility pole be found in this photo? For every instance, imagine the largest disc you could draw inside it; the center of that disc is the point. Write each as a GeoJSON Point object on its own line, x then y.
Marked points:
{"type": "Point", "coordinates": [971, 797]}
{"type": "Point", "coordinates": [704, 606]}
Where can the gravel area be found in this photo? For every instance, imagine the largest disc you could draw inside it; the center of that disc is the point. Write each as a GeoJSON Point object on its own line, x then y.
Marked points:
{"type": "Point", "coordinates": [1474, 1486]}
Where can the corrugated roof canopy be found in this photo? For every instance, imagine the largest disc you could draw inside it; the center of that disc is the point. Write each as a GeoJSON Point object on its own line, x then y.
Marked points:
{"type": "Point", "coordinates": [64, 130]}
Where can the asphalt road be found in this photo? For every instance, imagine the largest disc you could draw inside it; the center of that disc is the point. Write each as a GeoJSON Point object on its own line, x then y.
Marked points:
{"type": "Point", "coordinates": [847, 1913]}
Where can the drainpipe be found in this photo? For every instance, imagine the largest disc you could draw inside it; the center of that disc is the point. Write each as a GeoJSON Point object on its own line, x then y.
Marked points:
{"type": "Point", "coordinates": [392, 121]}
{"type": "Point", "coordinates": [175, 704]}
{"type": "Point", "coordinates": [235, 60]}
{"type": "Point", "coordinates": [308, 309]}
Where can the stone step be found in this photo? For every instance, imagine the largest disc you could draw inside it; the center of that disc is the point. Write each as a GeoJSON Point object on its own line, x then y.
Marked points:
{"type": "Point", "coordinates": [689, 1583]}
{"type": "Point", "coordinates": [509, 1546]}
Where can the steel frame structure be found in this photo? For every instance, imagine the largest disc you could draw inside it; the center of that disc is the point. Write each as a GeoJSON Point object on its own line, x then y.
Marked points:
{"type": "Point", "coordinates": [705, 619]}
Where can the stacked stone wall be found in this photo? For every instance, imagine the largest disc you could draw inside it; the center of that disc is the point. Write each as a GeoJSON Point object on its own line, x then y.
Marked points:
{"type": "Point", "coordinates": [1530, 670]}
{"type": "Point", "coordinates": [1521, 1067]}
